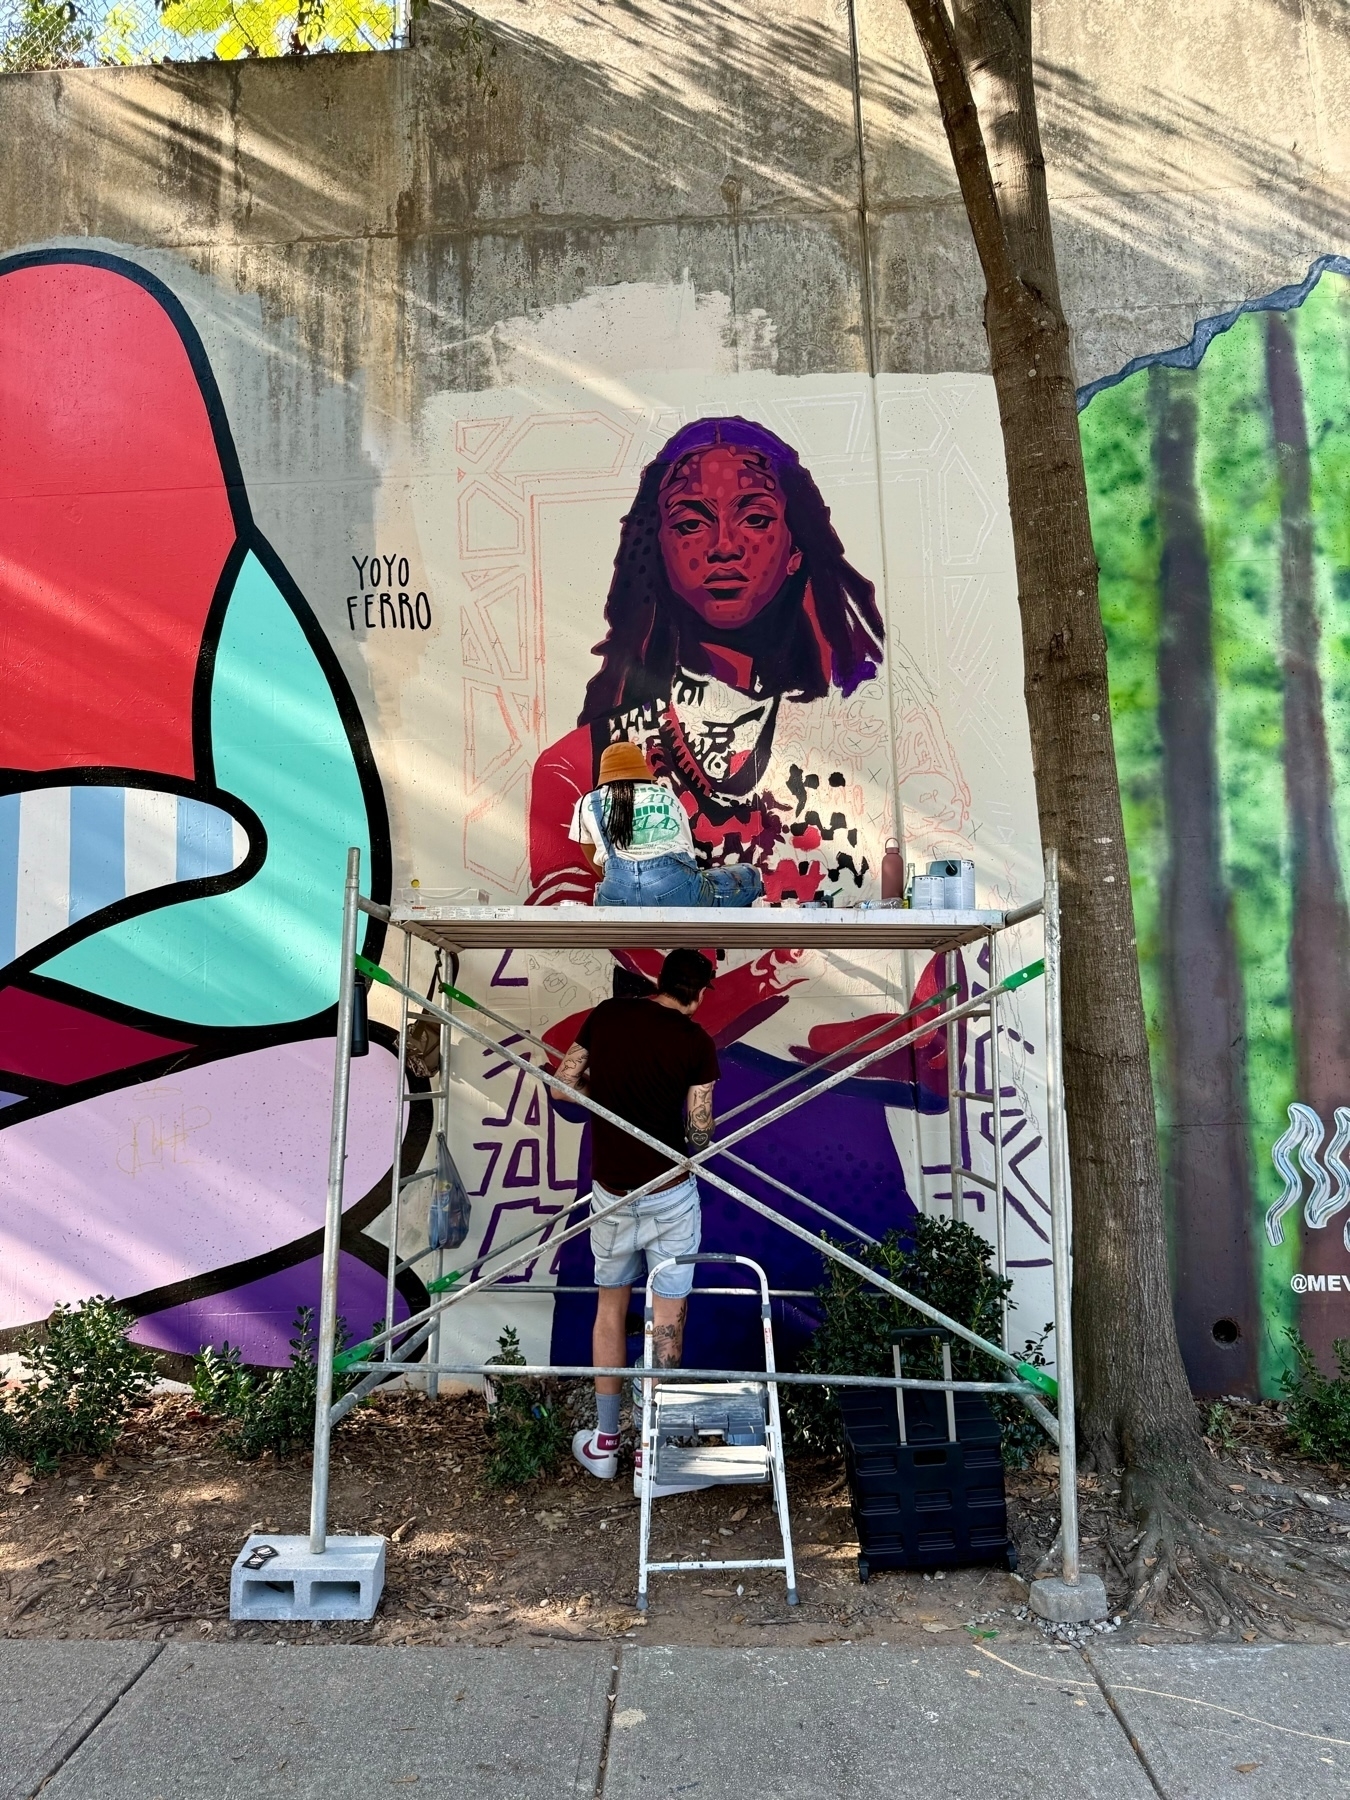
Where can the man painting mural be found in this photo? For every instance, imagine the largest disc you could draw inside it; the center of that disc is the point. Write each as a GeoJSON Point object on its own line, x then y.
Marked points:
{"type": "Point", "coordinates": [646, 1060]}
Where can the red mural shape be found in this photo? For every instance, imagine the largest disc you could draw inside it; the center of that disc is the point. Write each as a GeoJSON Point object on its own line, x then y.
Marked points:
{"type": "Point", "coordinates": [48, 1040]}
{"type": "Point", "coordinates": [117, 525]}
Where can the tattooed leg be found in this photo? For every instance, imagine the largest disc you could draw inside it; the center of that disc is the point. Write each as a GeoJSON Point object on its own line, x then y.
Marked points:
{"type": "Point", "coordinates": [667, 1331]}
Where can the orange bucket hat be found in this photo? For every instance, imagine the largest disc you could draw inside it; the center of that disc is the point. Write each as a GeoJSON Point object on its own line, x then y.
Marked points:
{"type": "Point", "coordinates": [624, 762]}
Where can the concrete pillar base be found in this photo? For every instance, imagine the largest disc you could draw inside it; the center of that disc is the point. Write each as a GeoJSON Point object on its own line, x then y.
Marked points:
{"type": "Point", "coordinates": [1054, 1599]}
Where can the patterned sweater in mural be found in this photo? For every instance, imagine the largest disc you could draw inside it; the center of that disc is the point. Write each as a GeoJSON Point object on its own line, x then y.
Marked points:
{"type": "Point", "coordinates": [747, 801]}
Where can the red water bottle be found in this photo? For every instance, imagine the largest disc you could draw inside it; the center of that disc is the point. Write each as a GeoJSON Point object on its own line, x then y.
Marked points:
{"type": "Point", "coordinates": [893, 871]}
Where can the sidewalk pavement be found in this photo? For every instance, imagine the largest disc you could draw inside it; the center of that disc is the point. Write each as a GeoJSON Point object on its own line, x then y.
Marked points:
{"type": "Point", "coordinates": [133, 1721]}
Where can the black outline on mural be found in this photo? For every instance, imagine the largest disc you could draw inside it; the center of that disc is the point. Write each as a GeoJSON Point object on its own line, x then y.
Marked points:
{"type": "Point", "coordinates": [212, 1043]}
{"type": "Point", "coordinates": [1188, 355]}
{"type": "Point", "coordinates": [248, 538]}
{"type": "Point", "coordinates": [302, 1249]}
{"type": "Point", "coordinates": [145, 900]}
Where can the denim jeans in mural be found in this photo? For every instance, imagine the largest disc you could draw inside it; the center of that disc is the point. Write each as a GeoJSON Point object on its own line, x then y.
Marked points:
{"type": "Point", "coordinates": [676, 881]}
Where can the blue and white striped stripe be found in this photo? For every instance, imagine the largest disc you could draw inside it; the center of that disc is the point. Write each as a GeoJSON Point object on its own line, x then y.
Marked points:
{"type": "Point", "coordinates": [68, 852]}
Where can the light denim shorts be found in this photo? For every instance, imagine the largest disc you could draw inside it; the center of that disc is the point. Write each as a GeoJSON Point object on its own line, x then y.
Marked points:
{"type": "Point", "coordinates": [633, 1239]}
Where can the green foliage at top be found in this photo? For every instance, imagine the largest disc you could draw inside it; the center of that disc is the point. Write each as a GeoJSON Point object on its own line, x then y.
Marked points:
{"type": "Point", "coordinates": [526, 1427]}
{"type": "Point", "coordinates": [1236, 479]}
{"type": "Point", "coordinates": [267, 1413]}
{"type": "Point", "coordinates": [282, 27]}
{"type": "Point", "coordinates": [948, 1264]}
{"type": "Point", "coordinates": [86, 1375]}
{"type": "Point", "coordinates": [1319, 1406]}
{"type": "Point", "coordinates": [45, 34]}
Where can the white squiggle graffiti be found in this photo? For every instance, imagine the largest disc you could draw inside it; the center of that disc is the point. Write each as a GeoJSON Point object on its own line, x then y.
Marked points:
{"type": "Point", "coordinates": [1304, 1128]}
{"type": "Point", "coordinates": [1320, 1212]}
{"type": "Point", "coordinates": [1330, 1191]}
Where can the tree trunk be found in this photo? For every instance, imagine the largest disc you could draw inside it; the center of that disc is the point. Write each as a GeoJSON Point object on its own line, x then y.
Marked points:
{"type": "Point", "coordinates": [1134, 1401]}
{"type": "Point", "coordinates": [1319, 946]}
{"type": "Point", "coordinates": [1209, 1150]}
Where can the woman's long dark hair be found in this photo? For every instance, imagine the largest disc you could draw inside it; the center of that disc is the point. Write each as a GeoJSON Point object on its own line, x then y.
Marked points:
{"type": "Point", "coordinates": [619, 813]}
{"type": "Point", "coordinates": [822, 631]}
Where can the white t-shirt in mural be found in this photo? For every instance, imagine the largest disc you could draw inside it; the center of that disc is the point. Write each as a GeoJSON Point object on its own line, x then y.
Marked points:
{"type": "Point", "coordinates": [660, 824]}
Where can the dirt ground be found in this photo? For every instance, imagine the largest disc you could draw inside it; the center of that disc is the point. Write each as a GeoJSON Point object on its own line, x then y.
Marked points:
{"type": "Point", "coordinates": [141, 1543]}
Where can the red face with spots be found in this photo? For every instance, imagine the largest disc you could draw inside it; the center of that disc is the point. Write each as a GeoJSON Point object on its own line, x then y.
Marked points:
{"type": "Point", "coordinates": [724, 534]}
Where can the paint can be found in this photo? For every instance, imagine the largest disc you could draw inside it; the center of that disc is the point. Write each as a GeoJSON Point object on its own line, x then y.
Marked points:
{"type": "Point", "coordinates": [957, 874]}
{"type": "Point", "coordinates": [929, 893]}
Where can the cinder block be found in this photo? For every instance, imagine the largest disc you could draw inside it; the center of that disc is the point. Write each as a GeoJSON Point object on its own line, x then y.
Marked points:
{"type": "Point", "coordinates": [1054, 1599]}
{"type": "Point", "coordinates": [344, 1583]}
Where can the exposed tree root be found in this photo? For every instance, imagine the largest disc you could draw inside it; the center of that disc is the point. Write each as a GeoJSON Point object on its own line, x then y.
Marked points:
{"type": "Point", "coordinates": [1202, 1548]}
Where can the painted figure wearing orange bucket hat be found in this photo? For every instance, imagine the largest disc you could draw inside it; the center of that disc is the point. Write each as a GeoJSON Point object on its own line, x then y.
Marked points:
{"type": "Point", "coordinates": [635, 834]}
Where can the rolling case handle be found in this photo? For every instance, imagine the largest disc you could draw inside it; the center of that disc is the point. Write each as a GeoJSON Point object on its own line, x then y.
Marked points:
{"type": "Point", "coordinates": [900, 1337]}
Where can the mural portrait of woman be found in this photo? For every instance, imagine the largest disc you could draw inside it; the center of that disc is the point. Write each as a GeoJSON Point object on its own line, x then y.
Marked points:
{"type": "Point", "coordinates": [736, 625]}
{"type": "Point", "coordinates": [731, 597]}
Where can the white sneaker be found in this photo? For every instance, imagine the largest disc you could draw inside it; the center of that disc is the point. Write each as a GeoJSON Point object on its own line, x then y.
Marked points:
{"type": "Point", "coordinates": [661, 1490]}
{"type": "Point", "coordinates": [603, 1464]}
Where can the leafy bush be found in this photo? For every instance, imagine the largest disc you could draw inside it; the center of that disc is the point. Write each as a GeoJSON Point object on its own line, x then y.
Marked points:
{"type": "Point", "coordinates": [274, 1411]}
{"type": "Point", "coordinates": [1319, 1405]}
{"type": "Point", "coordinates": [86, 1377]}
{"type": "Point", "coordinates": [944, 1262]}
{"type": "Point", "coordinates": [525, 1424]}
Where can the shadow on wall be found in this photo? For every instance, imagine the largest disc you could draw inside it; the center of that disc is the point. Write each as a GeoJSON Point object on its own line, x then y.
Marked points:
{"type": "Point", "coordinates": [621, 143]}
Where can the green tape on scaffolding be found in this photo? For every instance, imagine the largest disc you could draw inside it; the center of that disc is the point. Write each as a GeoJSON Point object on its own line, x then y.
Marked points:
{"type": "Point", "coordinates": [354, 1353]}
{"type": "Point", "coordinates": [453, 993]}
{"type": "Point", "coordinates": [372, 971]}
{"type": "Point", "coordinates": [443, 1283]}
{"type": "Point", "coordinates": [1023, 976]}
{"type": "Point", "coordinates": [1039, 1379]}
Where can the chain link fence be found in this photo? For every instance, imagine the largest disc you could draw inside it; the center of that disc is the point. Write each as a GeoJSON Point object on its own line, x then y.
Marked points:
{"type": "Point", "coordinates": [65, 34]}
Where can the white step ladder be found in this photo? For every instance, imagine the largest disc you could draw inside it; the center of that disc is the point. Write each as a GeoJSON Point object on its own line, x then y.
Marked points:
{"type": "Point", "coordinates": [716, 1433]}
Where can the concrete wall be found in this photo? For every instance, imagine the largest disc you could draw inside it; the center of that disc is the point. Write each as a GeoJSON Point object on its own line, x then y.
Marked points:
{"type": "Point", "coordinates": [791, 159]}
{"type": "Point", "coordinates": [658, 214]}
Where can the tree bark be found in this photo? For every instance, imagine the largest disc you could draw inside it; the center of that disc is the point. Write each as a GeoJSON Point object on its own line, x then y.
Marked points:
{"type": "Point", "coordinates": [1135, 1405]}
{"type": "Point", "coordinates": [1209, 1174]}
{"type": "Point", "coordinates": [1319, 945]}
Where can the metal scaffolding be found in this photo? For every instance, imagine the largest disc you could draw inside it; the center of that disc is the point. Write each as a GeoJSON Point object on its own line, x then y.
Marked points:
{"type": "Point", "coordinates": [397, 1350]}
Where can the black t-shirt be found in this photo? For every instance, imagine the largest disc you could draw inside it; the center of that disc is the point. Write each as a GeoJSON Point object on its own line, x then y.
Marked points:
{"type": "Point", "coordinates": [644, 1058]}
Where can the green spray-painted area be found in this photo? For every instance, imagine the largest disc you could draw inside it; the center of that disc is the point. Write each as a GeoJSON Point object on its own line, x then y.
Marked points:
{"type": "Point", "coordinates": [1236, 478]}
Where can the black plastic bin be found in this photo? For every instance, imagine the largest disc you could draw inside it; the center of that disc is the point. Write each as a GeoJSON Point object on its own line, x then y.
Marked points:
{"type": "Point", "coordinates": [935, 1501]}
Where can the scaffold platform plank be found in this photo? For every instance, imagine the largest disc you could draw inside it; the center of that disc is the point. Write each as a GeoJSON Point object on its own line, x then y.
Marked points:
{"type": "Point", "coordinates": [569, 927]}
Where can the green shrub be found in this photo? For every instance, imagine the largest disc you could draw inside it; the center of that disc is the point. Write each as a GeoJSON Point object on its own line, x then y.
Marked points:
{"type": "Point", "coordinates": [944, 1262]}
{"type": "Point", "coordinates": [1318, 1415]}
{"type": "Point", "coordinates": [274, 1411]}
{"type": "Point", "coordinates": [525, 1424]}
{"type": "Point", "coordinates": [86, 1377]}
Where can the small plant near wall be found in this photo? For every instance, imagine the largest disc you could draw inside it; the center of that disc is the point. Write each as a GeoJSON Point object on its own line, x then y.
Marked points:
{"type": "Point", "coordinates": [1318, 1414]}
{"type": "Point", "coordinates": [271, 1413]}
{"type": "Point", "coordinates": [944, 1262]}
{"type": "Point", "coordinates": [85, 1377]}
{"type": "Point", "coordinates": [525, 1423]}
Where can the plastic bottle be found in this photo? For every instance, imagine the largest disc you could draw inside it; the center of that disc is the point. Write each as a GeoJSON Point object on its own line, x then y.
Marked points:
{"type": "Point", "coordinates": [893, 871]}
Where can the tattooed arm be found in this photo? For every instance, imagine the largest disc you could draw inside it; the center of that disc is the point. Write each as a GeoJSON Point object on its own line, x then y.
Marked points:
{"type": "Point", "coordinates": [574, 1067]}
{"type": "Point", "coordinates": [698, 1108]}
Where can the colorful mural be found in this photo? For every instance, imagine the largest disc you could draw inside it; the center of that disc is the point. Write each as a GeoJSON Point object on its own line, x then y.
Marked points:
{"type": "Point", "coordinates": [181, 769]}
{"type": "Point", "coordinates": [1220, 484]}
{"type": "Point", "coordinates": [803, 594]}
{"type": "Point", "coordinates": [789, 694]}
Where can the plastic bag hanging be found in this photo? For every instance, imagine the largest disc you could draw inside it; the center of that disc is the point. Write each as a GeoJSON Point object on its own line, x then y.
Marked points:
{"type": "Point", "coordinates": [448, 1219]}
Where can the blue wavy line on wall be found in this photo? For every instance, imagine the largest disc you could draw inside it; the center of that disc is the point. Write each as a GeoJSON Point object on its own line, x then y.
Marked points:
{"type": "Point", "coordinates": [1187, 356]}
